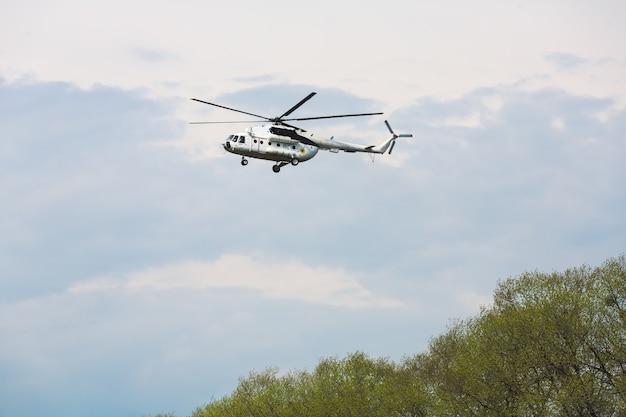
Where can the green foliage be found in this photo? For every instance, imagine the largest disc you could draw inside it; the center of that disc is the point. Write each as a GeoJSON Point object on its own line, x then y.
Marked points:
{"type": "Point", "coordinates": [352, 387]}
{"type": "Point", "coordinates": [361, 386]}
{"type": "Point", "coordinates": [549, 345]}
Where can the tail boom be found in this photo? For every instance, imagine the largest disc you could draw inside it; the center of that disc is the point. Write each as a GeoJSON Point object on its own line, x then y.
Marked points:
{"type": "Point", "coordinates": [335, 146]}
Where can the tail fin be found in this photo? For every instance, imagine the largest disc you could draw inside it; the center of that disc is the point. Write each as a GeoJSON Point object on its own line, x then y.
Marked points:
{"type": "Point", "coordinates": [395, 136]}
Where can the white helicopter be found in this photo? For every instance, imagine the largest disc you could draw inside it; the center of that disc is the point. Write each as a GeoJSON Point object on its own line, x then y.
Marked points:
{"type": "Point", "coordinates": [286, 144]}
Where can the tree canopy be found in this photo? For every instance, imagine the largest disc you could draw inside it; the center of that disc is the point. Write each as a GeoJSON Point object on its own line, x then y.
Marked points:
{"type": "Point", "coordinates": [550, 344]}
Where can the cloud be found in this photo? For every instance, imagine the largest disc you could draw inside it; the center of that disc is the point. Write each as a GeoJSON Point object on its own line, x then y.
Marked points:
{"type": "Point", "coordinates": [256, 79]}
{"type": "Point", "coordinates": [72, 160]}
{"type": "Point", "coordinates": [515, 177]}
{"type": "Point", "coordinates": [153, 56]}
{"type": "Point", "coordinates": [565, 61]}
{"type": "Point", "coordinates": [281, 280]}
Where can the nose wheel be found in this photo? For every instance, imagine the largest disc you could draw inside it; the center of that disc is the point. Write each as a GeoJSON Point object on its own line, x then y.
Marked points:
{"type": "Point", "coordinates": [244, 161]}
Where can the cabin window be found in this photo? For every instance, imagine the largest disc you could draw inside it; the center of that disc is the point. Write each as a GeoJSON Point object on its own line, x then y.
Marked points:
{"type": "Point", "coordinates": [233, 138]}
{"type": "Point", "coordinates": [242, 139]}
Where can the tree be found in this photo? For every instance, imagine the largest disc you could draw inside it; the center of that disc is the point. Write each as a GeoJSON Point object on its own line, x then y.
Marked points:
{"type": "Point", "coordinates": [361, 386]}
{"type": "Point", "coordinates": [550, 345]}
{"type": "Point", "coordinates": [351, 387]}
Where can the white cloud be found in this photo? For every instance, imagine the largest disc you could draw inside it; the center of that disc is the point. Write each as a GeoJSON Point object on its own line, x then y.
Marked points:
{"type": "Point", "coordinates": [394, 51]}
{"type": "Point", "coordinates": [94, 285]}
{"type": "Point", "coordinates": [282, 279]}
{"type": "Point", "coordinates": [566, 61]}
{"type": "Point", "coordinates": [557, 123]}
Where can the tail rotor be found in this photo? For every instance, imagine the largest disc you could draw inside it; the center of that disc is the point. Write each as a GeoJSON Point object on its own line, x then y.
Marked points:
{"type": "Point", "coordinates": [395, 136]}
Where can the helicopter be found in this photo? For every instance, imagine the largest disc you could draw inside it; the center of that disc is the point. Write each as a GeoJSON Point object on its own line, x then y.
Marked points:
{"type": "Point", "coordinates": [286, 144]}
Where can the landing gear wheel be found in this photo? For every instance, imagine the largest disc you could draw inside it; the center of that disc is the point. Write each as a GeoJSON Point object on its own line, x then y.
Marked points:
{"type": "Point", "coordinates": [276, 168]}
{"type": "Point", "coordinates": [294, 162]}
{"type": "Point", "coordinates": [244, 161]}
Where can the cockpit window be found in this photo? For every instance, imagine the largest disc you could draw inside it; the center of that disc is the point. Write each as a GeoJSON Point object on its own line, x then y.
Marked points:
{"type": "Point", "coordinates": [230, 137]}
{"type": "Point", "coordinates": [233, 138]}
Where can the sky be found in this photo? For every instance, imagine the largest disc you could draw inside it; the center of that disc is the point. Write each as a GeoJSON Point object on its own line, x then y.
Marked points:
{"type": "Point", "coordinates": [143, 270]}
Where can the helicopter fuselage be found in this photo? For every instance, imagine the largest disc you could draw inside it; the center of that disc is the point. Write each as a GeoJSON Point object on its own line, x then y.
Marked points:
{"type": "Point", "coordinates": [271, 143]}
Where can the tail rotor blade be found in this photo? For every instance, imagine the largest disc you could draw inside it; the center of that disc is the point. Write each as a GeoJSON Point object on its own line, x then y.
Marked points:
{"type": "Point", "coordinates": [402, 135]}
{"type": "Point", "coordinates": [389, 127]}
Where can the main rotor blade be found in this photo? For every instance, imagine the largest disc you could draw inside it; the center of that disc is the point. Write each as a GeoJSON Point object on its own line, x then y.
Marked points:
{"type": "Point", "coordinates": [228, 108]}
{"type": "Point", "coordinates": [292, 126]}
{"type": "Point", "coordinates": [291, 110]}
{"type": "Point", "coordinates": [333, 117]}
{"type": "Point", "coordinates": [234, 121]}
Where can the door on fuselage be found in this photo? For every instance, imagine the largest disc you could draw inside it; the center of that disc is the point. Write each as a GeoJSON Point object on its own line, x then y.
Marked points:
{"type": "Point", "coordinates": [257, 144]}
